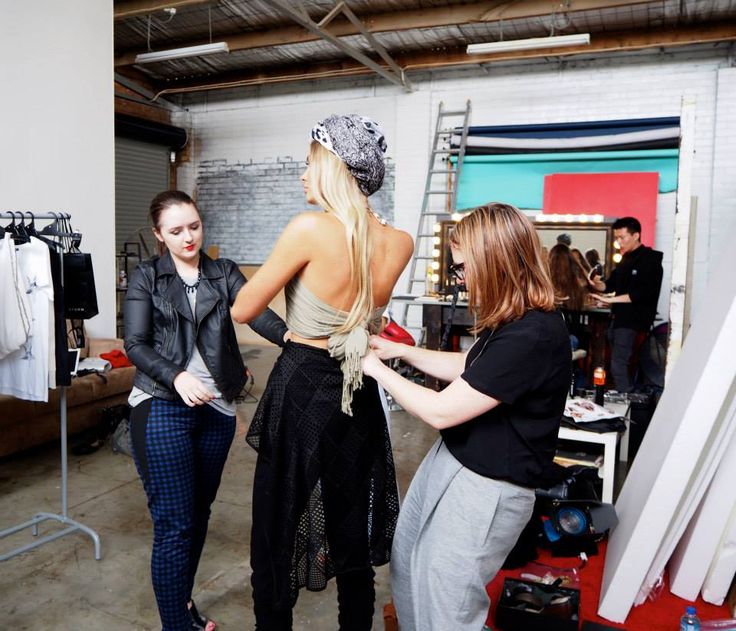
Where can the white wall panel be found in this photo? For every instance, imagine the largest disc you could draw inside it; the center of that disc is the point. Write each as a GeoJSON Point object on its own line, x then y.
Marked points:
{"type": "Point", "coordinates": [697, 548]}
{"type": "Point", "coordinates": [687, 436]}
{"type": "Point", "coordinates": [57, 125]}
{"type": "Point", "coordinates": [723, 208]}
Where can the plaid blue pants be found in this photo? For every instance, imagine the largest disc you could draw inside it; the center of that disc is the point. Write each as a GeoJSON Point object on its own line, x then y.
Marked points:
{"type": "Point", "coordinates": [180, 453]}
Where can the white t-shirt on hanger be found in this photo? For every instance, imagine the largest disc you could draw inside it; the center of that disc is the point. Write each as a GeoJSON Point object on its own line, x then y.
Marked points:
{"type": "Point", "coordinates": [15, 311]}
{"type": "Point", "coordinates": [25, 372]}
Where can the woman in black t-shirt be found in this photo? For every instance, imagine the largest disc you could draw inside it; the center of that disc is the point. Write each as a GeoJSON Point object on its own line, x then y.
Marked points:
{"type": "Point", "coordinates": [498, 419]}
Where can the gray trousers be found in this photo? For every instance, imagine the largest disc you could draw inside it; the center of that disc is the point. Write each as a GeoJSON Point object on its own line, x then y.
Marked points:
{"type": "Point", "coordinates": [622, 346]}
{"type": "Point", "coordinates": [454, 532]}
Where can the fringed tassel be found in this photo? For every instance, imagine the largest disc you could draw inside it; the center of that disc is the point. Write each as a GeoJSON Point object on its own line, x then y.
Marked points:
{"type": "Point", "coordinates": [356, 344]}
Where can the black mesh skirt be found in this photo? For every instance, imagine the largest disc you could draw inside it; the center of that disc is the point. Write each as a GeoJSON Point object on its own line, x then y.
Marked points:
{"type": "Point", "coordinates": [325, 500]}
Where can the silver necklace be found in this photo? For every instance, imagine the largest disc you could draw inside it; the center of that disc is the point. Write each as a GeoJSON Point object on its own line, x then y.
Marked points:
{"type": "Point", "coordinates": [378, 217]}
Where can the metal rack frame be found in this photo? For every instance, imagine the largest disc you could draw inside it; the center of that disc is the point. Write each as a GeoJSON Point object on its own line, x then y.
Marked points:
{"type": "Point", "coordinates": [63, 518]}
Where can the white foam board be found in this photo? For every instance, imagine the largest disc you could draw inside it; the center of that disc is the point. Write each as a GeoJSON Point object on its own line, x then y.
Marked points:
{"type": "Point", "coordinates": [689, 564]}
{"type": "Point", "coordinates": [689, 418]}
{"type": "Point", "coordinates": [723, 567]}
{"type": "Point", "coordinates": [708, 463]}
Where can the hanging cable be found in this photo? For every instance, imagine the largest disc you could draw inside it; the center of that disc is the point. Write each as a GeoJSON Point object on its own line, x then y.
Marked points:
{"type": "Point", "coordinates": [209, 19]}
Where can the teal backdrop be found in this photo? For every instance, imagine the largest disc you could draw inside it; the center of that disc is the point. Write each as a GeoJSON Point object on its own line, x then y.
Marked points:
{"type": "Point", "coordinates": [518, 179]}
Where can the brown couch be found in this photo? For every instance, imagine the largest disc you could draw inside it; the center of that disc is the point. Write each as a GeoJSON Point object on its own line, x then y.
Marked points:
{"type": "Point", "coordinates": [25, 424]}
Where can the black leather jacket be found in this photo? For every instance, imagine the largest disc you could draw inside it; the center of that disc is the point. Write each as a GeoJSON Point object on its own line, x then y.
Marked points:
{"type": "Point", "coordinates": [160, 330]}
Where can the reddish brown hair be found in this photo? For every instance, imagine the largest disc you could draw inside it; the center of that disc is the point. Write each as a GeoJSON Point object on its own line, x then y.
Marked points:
{"type": "Point", "coordinates": [505, 270]}
{"type": "Point", "coordinates": [568, 278]}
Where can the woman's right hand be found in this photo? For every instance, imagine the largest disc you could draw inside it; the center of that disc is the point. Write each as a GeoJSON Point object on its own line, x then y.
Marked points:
{"type": "Point", "coordinates": [386, 349]}
{"type": "Point", "coordinates": [192, 390]}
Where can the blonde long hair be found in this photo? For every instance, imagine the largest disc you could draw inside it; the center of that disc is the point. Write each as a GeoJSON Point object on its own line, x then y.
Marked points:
{"type": "Point", "coordinates": [337, 192]}
{"type": "Point", "coordinates": [505, 269]}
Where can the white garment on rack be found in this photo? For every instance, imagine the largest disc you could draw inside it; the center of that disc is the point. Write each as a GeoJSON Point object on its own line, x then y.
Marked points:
{"type": "Point", "coordinates": [15, 312]}
{"type": "Point", "coordinates": [25, 372]}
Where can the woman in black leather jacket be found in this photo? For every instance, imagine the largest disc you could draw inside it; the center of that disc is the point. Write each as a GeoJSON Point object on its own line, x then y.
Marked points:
{"type": "Point", "coordinates": [180, 337]}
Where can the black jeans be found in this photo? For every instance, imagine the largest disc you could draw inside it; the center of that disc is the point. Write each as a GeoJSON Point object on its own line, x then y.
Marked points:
{"type": "Point", "coordinates": [622, 346]}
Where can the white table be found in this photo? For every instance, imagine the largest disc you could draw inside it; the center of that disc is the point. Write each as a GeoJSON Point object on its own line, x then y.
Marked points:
{"type": "Point", "coordinates": [609, 441]}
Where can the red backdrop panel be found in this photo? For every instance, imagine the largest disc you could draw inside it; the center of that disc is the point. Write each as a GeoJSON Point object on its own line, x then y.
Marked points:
{"type": "Point", "coordinates": [609, 194]}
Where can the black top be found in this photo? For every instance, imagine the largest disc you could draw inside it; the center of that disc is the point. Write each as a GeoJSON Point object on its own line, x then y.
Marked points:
{"type": "Point", "coordinates": [639, 274]}
{"type": "Point", "coordinates": [525, 364]}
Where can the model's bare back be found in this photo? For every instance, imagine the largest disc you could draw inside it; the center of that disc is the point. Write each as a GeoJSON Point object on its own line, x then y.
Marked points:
{"type": "Point", "coordinates": [327, 275]}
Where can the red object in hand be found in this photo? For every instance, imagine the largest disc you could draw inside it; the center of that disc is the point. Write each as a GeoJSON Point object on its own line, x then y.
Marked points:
{"type": "Point", "coordinates": [395, 333]}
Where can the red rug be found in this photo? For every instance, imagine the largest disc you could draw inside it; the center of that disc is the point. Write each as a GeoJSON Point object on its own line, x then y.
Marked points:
{"type": "Point", "coordinates": [661, 614]}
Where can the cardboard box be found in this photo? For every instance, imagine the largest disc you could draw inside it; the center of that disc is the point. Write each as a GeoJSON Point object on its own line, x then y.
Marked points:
{"type": "Point", "coordinates": [530, 606]}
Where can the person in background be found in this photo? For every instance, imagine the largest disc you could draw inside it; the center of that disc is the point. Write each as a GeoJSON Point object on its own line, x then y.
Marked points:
{"type": "Point", "coordinates": [564, 239]}
{"type": "Point", "coordinates": [635, 283]}
{"type": "Point", "coordinates": [572, 294]}
{"type": "Point", "coordinates": [498, 420]}
{"type": "Point", "coordinates": [325, 500]}
{"type": "Point", "coordinates": [582, 263]}
{"type": "Point", "coordinates": [594, 262]}
{"type": "Point", "coordinates": [180, 337]}
{"type": "Point", "coordinates": [568, 278]}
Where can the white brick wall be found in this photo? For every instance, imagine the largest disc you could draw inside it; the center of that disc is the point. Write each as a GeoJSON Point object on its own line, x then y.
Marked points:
{"type": "Point", "coordinates": [273, 122]}
{"type": "Point", "coordinates": [723, 209]}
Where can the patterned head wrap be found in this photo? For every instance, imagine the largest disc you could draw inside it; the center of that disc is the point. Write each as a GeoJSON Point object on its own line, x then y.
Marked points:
{"type": "Point", "coordinates": [358, 141]}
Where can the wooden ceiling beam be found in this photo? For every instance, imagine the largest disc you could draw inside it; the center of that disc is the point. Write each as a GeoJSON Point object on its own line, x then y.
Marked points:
{"type": "Point", "coordinates": [125, 104]}
{"type": "Point", "coordinates": [133, 8]}
{"type": "Point", "coordinates": [457, 57]}
{"type": "Point", "coordinates": [599, 44]}
{"type": "Point", "coordinates": [480, 12]}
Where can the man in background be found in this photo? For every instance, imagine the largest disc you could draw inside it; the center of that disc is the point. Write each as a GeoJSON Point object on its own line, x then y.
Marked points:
{"type": "Point", "coordinates": [635, 283]}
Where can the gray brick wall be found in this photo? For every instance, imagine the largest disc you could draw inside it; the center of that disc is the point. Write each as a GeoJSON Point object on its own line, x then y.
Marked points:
{"type": "Point", "coordinates": [246, 206]}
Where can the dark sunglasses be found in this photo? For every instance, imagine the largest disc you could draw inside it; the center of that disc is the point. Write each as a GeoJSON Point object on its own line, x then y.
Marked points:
{"type": "Point", "coordinates": [458, 269]}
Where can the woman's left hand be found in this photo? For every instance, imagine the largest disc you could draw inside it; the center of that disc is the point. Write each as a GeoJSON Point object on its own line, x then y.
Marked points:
{"type": "Point", "coordinates": [371, 364]}
{"type": "Point", "coordinates": [386, 349]}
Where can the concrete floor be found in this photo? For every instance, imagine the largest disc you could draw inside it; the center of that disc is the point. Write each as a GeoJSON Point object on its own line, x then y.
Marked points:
{"type": "Point", "coordinates": [60, 586]}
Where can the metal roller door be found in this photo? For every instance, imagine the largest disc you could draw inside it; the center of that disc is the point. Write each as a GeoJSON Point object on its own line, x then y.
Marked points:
{"type": "Point", "coordinates": [141, 171]}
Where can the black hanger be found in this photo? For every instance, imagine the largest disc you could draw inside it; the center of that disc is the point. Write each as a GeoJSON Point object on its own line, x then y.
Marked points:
{"type": "Point", "coordinates": [61, 228]}
{"type": "Point", "coordinates": [31, 227]}
{"type": "Point", "coordinates": [11, 226]}
{"type": "Point", "coordinates": [18, 231]}
{"type": "Point", "coordinates": [54, 229]}
{"type": "Point", "coordinates": [31, 230]}
{"type": "Point", "coordinates": [22, 226]}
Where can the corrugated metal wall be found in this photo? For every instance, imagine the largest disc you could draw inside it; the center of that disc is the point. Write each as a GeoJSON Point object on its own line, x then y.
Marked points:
{"type": "Point", "coordinates": [141, 171]}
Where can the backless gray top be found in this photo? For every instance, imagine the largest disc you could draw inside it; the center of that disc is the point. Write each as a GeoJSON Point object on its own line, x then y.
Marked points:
{"type": "Point", "coordinates": [311, 318]}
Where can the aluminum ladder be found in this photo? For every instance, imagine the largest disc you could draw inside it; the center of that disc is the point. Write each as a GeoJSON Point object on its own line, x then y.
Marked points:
{"type": "Point", "coordinates": [440, 197]}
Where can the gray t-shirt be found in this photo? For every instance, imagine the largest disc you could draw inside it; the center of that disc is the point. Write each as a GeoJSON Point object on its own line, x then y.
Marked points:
{"type": "Point", "coordinates": [195, 367]}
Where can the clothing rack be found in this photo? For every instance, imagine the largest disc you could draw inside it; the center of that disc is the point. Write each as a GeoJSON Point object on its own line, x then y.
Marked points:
{"type": "Point", "coordinates": [63, 518]}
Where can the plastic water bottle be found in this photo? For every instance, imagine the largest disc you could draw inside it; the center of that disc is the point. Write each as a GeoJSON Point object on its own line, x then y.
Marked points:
{"type": "Point", "coordinates": [690, 620]}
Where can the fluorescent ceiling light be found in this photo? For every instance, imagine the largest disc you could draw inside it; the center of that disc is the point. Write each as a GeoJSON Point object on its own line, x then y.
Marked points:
{"type": "Point", "coordinates": [528, 44]}
{"type": "Point", "coordinates": [178, 53]}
